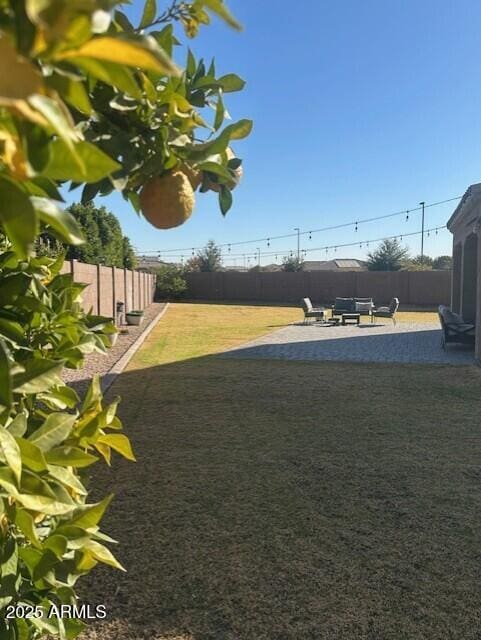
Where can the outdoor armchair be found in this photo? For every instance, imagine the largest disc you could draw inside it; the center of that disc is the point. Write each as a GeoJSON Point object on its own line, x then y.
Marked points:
{"type": "Point", "coordinates": [310, 311]}
{"type": "Point", "coordinates": [386, 312]}
{"type": "Point", "coordinates": [454, 328]}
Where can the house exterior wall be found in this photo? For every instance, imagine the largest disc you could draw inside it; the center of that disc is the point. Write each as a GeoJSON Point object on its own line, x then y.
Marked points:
{"type": "Point", "coordinates": [465, 225]}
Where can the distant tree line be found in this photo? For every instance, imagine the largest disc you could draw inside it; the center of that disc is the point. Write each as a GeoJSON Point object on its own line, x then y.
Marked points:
{"type": "Point", "coordinates": [392, 256]}
{"type": "Point", "coordinates": [105, 244]}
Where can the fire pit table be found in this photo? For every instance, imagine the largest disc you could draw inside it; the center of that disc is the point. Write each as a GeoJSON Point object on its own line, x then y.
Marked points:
{"type": "Point", "coordinates": [351, 318]}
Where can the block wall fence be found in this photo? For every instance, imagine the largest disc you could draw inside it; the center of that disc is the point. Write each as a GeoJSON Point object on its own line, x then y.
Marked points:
{"type": "Point", "coordinates": [109, 285]}
{"type": "Point", "coordinates": [413, 288]}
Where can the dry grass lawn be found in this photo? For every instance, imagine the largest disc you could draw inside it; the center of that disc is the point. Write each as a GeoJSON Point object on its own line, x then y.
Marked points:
{"type": "Point", "coordinates": [291, 501]}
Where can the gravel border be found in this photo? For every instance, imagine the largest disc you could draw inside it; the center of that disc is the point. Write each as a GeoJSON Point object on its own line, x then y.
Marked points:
{"type": "Point", "coordinates": [110, 364]}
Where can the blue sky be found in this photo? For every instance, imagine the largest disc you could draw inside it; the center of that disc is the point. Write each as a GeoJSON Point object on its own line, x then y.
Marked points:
{"type": "Point", "coordinates": [360, 109]}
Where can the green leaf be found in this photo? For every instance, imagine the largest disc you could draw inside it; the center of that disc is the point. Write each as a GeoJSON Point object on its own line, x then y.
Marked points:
{"type": "Point", "coordinates": [39, 375]}
{"type": "Point", "coordinates": [95, 163]}
{"type": "Point", "coordinates": [61, 397]}
{"type": "Point", "coordinates": [43, 187]}
{"type": "Point", "coordinates": [11, 452]}
{"type": "Point", "coordinates": [32, 456]}
{"type": "Point", "coordinates": [44, 504]}
{"type": "Point", "coordinates": [219, 113]}
{"type": "Point", "coordinates": [57, 118]}
{"type": "Point", "coordinates": [119, 443]}
{"type": "Point", "coordinates": [231, 82]}
{"type": "Point", "coordinates": [12, 287]}
{"type": "Point", "coordinates": [214, 167]}
{"type": "Point", "coordinates": [219, 8]}
{"type": "Point", "coordinates": [150, 11]}
{"type": "Point", "coordinates": [238, 130]}
{"type": "Point", "coordinates": [73, 628]}
{"type": "Point", "coordinates": [18, 426]}
{"type": "Point", "coordinates": [102, 554]}
{"type": "Point", "coordinates": [191, 64]}
{"type": "Point", "coordinates": [12, 330]}
{"type": "Point", "coordinates": [17, 217]}
{"type": "Point", "coordinates": [25, 523]}
{"type": "Point", "coordinates": [46, 563]}
{"type": "Point", "coordinates": [56, 428]}
{"type": "Point", "coordinates": [123, 21]}
{"type": "Point", "coordinates": [70, 457]}
{"type": "Point", "coordinates": [72, 91]}
{"type": "Point", "coordinates": [6, 397]}
{"type": "Point", "coordinates": [57, 544]}
{"type": "Point", "coordinates": [225, 199]}
{"type": "Point", "coordinates": [61, 222]}
{"type": "Point", "coordinates": [141, 51]}
{"type": "Point", "coordinates": [112, 74]}
{"type": "Point", "coordinates": [68, 478]}
{"type": "Point", "coordinates": [89, 516]}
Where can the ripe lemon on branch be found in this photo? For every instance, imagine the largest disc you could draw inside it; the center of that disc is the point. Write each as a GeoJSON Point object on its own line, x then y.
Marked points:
{"type": "Point", "coordinates": [168, 200]}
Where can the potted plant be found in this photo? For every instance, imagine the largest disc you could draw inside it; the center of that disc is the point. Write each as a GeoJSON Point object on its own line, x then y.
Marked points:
{"type": "Point", "coordinates": [134, 317]}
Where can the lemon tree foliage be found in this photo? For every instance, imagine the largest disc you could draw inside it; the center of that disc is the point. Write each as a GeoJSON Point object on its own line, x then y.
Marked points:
{"type": "Point", "coordinates": [89, 101]}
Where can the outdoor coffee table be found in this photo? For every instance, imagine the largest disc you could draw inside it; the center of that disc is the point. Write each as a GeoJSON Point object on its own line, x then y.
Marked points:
{"type": "Point", "coordinates": [355, 317]}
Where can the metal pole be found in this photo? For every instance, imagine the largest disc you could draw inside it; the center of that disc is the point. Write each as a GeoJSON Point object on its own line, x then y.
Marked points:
{"type": "Point", "coordinates": [298, 243]}
{"type": "Point", "coordinates": [258, 256]}
{"type": "Point", "coordinates": [422, 232]}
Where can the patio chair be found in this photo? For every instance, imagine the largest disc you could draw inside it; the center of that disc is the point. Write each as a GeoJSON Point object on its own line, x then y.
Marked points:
{"type": "Point", "coordinates": [386, 312]}
{"type": "Point", "coordinates": [310, 311]}
{"type": "Point", "coordinates": [364, 306]}
{"type": "Point", "coordinates": [454, 328]}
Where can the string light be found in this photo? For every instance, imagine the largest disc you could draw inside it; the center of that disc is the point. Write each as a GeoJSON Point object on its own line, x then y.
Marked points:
{"type": "Point", "coordinates": [405, 212]}
{"type": "Point", "coordinates": [310, 235]}
{"type": "Point", "coordinates": [355, 228]}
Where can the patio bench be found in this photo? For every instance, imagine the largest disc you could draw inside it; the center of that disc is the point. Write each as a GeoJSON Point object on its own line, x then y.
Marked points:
{"type": "Point", "coordinates": [455, 329]}
{"type": "Point", "coordinates": [342, 306]}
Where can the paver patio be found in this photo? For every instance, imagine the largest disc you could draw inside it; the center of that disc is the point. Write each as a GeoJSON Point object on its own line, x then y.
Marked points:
{"type": "Point", "coordinates": [409, 343]}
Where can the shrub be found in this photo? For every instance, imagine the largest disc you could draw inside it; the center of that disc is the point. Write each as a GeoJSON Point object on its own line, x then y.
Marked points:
{"type": "Point", "coordinates": [170, 282]}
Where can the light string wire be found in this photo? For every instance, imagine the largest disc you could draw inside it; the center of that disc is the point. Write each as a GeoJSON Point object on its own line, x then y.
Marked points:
{"type": "Point", "coordinates": [269, 239]}
{"type": "Point", "coordinates": [285, 252]}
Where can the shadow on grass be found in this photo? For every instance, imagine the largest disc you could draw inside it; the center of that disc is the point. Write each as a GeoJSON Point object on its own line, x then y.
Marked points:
{"type": "Point", "coordinates": [283, 500]}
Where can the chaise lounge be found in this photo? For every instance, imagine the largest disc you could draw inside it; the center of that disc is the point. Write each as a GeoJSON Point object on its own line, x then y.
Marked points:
{"type": "Point", "coordinates": [454, 327]}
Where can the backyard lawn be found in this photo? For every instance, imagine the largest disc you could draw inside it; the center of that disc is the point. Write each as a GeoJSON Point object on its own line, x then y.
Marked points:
{"type": "Point", "coordinates": [277, 500]}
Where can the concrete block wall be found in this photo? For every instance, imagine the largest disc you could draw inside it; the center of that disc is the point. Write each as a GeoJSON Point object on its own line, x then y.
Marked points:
{"type": "Point", "coordinates": [109, 285]}
{"type": "Point", "coordinates": [413, 288]}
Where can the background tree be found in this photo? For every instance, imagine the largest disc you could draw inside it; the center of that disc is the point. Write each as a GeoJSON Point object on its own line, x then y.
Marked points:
{"type": "Point", "coordinates": [418, 263]}
{"type": "Point", "coordinates": [443, 262]}
{"type": "Point", "coordinates": [128, 254]}
{"type": "Point", "coordinates": [389, 256]}
{"type": "Point", "coordinates": [292, 263]}
{"type": "Point", "coordinates": [207, 259]}
{"type": "Point", "coordinates": [105, 242]}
